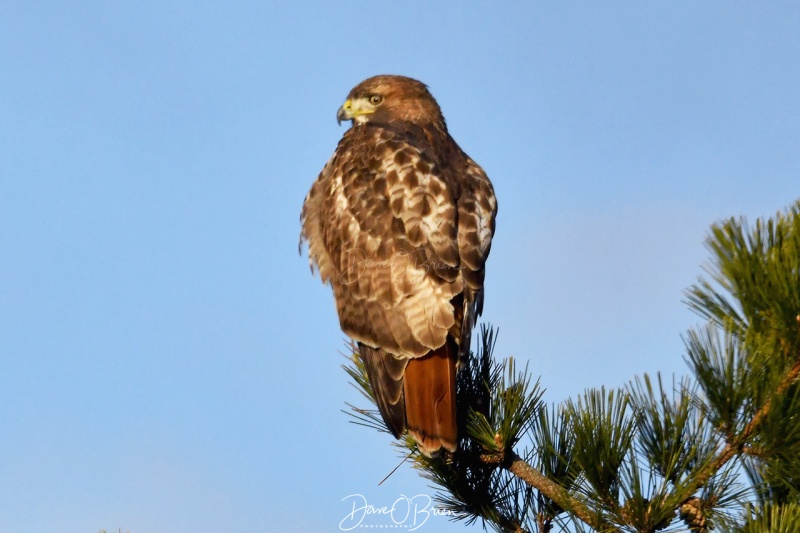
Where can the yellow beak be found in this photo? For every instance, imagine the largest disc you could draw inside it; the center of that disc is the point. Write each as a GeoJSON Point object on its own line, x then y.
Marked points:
{"type": "Point", "coordinates": [345, 112]}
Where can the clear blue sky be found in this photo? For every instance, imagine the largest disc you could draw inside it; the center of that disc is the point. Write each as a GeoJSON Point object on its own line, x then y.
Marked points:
{"type": "Point", "coordinates": [169, 364]}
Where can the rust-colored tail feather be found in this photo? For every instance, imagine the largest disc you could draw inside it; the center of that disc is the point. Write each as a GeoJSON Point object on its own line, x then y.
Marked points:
{"type": "Point", "coordinates": [430, 398]}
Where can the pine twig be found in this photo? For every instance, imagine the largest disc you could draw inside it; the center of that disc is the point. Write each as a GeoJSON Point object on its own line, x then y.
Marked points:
{"type": "Point", "coordinates": [517, 466]}
{"type": "Point", "coordinates": [734, 446]}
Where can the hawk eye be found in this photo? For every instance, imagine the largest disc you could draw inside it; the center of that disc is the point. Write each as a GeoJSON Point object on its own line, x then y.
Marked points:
{"type": "Point", "coordinates": [375, 99]}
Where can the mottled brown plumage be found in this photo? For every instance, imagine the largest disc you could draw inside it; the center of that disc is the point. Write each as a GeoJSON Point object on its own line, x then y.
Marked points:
{"type": "Point", "coordinates": [400, 223]}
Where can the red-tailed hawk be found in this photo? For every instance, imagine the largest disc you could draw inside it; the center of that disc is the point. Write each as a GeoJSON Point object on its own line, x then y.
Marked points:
{"type": "Point", "coordinates": [400, 222]}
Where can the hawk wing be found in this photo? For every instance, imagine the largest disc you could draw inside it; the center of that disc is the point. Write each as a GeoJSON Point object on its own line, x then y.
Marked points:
{"type": "Point", "coordinates": [381, 225]}
{"type": "Point", "coordinates": [402, 237]}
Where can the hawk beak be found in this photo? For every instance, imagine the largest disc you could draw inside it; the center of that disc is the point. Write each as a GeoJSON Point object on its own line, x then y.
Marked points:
{"type": "Point", "coordinates": [345, 112]}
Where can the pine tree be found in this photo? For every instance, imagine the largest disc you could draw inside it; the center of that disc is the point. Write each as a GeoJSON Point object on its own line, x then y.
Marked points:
{"type": "Point", "coordinates": [719, 450]}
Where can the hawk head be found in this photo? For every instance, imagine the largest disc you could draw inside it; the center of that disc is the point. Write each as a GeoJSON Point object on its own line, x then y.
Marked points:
{"type": "Point", "coordinates": [386, 99]}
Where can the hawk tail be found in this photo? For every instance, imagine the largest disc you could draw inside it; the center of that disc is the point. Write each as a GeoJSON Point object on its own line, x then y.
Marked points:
{"type": "Point", "coordinates": [430, 399]}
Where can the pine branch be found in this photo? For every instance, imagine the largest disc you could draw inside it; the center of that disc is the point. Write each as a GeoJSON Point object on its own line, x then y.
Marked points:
{"type": "Point", "coordinates": [517, 466]}
{"type": "Point", "coordinates": [736, 445]}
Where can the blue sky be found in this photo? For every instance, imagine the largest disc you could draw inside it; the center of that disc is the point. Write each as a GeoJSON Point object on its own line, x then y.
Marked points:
{"type": "Point", "coordinates": [169, 364]}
